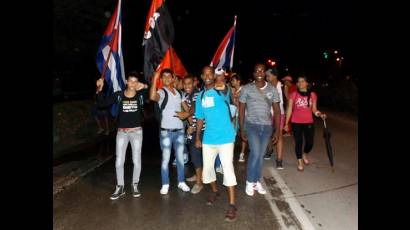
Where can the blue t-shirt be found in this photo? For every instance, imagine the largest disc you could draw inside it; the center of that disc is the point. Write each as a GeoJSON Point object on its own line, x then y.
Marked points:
{"type": "Point", "coordinates": [213, 109]}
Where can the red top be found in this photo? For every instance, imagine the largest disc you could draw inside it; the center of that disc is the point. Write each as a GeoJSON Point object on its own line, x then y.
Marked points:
{"type": "Point", "coordinates": [301, 113]}
{"type": "Point", "coordinates": [292, 88]}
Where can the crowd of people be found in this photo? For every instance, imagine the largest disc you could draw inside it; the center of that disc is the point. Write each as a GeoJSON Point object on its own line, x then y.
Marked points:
{"type": "Point", "coordinates": [206, 120]}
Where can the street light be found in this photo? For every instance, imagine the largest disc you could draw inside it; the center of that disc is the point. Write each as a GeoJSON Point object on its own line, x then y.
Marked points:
{"type": "Point", "coordinates": [335, 51]}
{"type": "Point", "coordinates": [337, 59]}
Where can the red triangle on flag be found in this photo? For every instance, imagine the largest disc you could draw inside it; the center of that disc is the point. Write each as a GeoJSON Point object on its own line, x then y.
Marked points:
{"type": "Point", "coordinates": [171, 61]}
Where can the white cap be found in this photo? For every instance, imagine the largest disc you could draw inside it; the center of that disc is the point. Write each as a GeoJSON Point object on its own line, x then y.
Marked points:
{"type": "Point", "coordinates": [219, 71]}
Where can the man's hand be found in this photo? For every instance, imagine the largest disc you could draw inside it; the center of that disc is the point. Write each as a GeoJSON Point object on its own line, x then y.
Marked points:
{"type": "Point", "coordinates": [140, 86]}
{"type": "Point", "coordinates": [182, 115]}
{"type": "Point", "coordinates": [275, 136]}
{"type": "Point", "coordinates": [190, 130]}
{"type": "Point", "coordinates": [286, 128]}
{"type": "Point", "coordinates": [198, 143]}
{"type": "Point", "coordinates": [100, 84]}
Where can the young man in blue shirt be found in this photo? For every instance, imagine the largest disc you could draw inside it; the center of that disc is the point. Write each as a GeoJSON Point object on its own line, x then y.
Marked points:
{"type": "Point", "coordinates": [218, 139]}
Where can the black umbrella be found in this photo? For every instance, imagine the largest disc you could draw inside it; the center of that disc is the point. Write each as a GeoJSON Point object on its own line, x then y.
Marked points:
{"type": "Point", "coordinates": [327, 135]}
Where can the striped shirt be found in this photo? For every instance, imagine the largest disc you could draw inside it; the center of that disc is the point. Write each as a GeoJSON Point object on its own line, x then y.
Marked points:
{"type": "Point", "coordinates": [258, 111]}
{"type": "Point", "coordinates": [191, 102]}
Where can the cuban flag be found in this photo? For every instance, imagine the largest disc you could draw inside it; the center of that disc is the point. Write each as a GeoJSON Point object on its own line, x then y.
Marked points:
{"type": "Point", "coordinates": [110, 61]}
{"type": "Point", "coordinates": [223, 57]}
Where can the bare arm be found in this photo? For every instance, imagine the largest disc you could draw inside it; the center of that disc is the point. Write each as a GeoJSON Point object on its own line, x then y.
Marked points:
{"type": "Point", "coordinates": [286, 92]}
{"type": "Point", "coordinates": [185, 114]}
{"type": "Point", "coordinates": [242, 107]}
{"type": "Point", "coordinates": [316, 111]}
{"type": "Point", "coordinates": [153, 95]}
{"type": "Point", "coordinates": [276, 111]}
{"type": "Point", "coordinates": [288, 114]}
{"type": "Point", "coordinates": [100, 100]}
{"type": "Point", "coordinates": [199, 125]}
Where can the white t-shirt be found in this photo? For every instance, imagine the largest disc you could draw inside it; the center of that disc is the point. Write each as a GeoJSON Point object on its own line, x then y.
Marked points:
{"type": "Point", "coordinates": [279, 89]}
{"type": "Point", "coordinates": [169, 121]}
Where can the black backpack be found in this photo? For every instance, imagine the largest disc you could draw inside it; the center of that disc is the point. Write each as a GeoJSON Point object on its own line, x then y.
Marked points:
{"type": "Point", "coordinates": [158, 109]}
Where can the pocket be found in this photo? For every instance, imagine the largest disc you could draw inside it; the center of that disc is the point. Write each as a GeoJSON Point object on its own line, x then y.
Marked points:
{"type": "Point", "coordinates": [163, 133]}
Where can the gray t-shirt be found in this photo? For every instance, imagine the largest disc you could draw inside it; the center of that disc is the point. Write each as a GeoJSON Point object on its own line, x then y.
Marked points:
{"type": "Point", "coordinates": [258, 111]}
{"type": "Point", "coordinates": [169, 121]}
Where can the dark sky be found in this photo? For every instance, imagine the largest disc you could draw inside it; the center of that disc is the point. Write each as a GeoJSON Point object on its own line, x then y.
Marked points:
{"type": "Point", "coordinates": [294, 33]}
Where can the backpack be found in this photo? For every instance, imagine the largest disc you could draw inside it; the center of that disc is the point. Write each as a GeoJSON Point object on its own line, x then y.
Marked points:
{"type": "Point", "coordinates": [158, 109]}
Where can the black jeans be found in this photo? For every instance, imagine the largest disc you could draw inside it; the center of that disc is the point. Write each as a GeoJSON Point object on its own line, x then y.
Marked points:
{"type": "Point", "coordinates": [300, 131]}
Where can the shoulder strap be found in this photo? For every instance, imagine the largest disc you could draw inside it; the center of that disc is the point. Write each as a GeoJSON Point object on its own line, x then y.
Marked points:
{"type": "Point", "coordinates": [180, 93]}
{"type": "Point", "coordinates": [165, 101]}
{"type": "Point", "coordinates": [191, 96]}
{"type": "Point", "coordinates": [202, 95]}
{"type": "Point", "coordinates": [227, 104]}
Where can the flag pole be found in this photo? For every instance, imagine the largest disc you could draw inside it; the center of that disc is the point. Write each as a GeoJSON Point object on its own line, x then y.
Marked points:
{"type": "Point", "coordinates": [106, 63]}
{"type": "Point", "coordinates": [234, 25]}
{"type": "Point", "coordinates": [172, 59]}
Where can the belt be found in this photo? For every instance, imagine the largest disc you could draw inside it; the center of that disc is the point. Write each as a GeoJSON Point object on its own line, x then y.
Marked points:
{"type": "Point", "coordinates": [129, 129]}
{"type": "Point", "coordinates": [171, 130]}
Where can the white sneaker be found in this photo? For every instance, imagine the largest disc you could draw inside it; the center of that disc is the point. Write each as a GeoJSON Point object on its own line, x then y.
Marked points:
{"type": "Point", "coordinates": [219, 170]}
{"type": "Point", "coordinates": [186, 158]}
{"type": "Point", "coordinates": [249, 188]}
{"type": "Point", "coordinates": [164, 189]}
{"type": "Point", "coordinates": [241, 157]}
{"type": "Point", "coordinates": [191, 179]}
{"type": "Point", "coordinates": [258, 187]}
{"type": "Point", "coordinates": [100, 131]}
{"type": "Point", "coordinates": [184, 187]}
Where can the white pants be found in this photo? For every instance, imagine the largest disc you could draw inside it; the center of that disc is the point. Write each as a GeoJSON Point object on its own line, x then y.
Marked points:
{"type": "Point", "coordinates": [209, 153]}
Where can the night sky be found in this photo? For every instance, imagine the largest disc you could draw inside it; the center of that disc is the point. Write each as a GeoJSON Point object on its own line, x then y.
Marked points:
{"type": "Point", "coordinates": [292, 33]}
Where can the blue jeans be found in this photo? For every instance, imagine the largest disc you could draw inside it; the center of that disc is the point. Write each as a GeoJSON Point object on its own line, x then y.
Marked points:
{"type": "Point", "coordinates": [122, 140]}
{"type": "Point", "coordinates": [217, 162]}
{"type": "Point", "coordinates": [167, 140]}
{"type": "Point", "coordinates": [258, 139]}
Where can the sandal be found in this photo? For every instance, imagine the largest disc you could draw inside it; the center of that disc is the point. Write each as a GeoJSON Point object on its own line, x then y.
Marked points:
{"type": "Point", "coordinates": [300, 169]}
{"type": "Point", "coordinates": [305, 159]}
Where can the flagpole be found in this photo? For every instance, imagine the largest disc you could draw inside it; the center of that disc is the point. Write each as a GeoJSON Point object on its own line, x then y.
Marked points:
{"type": "Point", "coordinates": [110, 45]}
{"type": "Point", "coordinates": [172, 59]}
{"type": "Point", "coordinates": [234, 24]}
{"type": "Point", "coordinates": [106, 62]}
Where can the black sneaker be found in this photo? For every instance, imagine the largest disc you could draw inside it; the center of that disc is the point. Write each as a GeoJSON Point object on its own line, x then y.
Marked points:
{"type": "Point", "coordinates": [119, 191]}
{"type": "Point", "coordinates": [267, 156]}
{"type": "Point", "coordinates": [135, 191]}
{"type": "Point", "coordinates": [279, 165]}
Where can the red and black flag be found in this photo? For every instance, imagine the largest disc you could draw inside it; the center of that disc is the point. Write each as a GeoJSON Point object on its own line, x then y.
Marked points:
{"type": "Point", "coordinates": [158, 36]}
